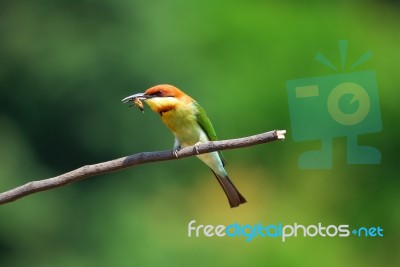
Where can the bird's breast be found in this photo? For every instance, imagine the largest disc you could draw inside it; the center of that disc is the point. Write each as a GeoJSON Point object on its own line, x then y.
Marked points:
{"type": "Point", "coordinates": [183, 123]}
{"type": "Point", "coordinates": [180, 117]}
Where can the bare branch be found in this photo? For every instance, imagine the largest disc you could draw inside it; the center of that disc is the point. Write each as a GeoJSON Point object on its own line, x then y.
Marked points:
{"type": "Point", "coordinates": [133, 160]}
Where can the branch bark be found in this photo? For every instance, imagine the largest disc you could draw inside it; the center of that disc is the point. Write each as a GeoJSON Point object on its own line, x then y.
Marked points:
{"type": "Point", "coordinates": [133, 160]}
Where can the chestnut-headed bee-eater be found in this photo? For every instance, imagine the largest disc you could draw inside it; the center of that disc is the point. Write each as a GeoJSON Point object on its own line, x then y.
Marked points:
{"type": "Point", "coordinates": [190, 125]}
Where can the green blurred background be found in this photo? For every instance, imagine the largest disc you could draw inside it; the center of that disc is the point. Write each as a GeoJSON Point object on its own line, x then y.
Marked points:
{"type": "Point", "coordinates": [64, 68]}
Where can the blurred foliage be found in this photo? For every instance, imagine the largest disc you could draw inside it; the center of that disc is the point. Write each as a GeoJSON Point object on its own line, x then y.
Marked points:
{"type": "Point", "coordinates": [65, 66]}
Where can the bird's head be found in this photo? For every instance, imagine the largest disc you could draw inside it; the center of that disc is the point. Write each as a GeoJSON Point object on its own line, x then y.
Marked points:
{"type": "Point", "coordinates": [161, 98]}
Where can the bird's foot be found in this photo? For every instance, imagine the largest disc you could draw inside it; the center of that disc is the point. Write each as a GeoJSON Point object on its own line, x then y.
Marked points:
{"type": "Point", "coordinates": [176, 148]}
{"type": "Point", "coordinates": [196, 147]}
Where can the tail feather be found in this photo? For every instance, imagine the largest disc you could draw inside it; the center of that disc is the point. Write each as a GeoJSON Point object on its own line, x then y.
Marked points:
{"type": "Point", "coordinates": [234, 197]}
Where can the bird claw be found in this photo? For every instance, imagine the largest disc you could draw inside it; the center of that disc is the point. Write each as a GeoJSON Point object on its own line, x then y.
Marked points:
{"type": "Point", "coordinates": [175, 151]}
{"type": "Point", "coordinates": [196, 147]}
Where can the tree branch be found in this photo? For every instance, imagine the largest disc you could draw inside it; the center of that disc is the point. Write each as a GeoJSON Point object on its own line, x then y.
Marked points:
{"type": "Point", "coordinates": [133, 160]}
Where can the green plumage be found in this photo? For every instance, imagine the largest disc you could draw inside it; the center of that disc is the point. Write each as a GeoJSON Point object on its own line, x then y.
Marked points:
{"type": "Point", "coordinates": [207, 127]}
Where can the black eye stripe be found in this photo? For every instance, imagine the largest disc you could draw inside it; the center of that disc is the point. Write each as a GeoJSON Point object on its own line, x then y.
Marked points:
{"type": "Point", "coordinates": [159, 93]}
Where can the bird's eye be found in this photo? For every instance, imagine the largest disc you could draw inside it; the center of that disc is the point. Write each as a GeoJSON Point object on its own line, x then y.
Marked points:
{"type": "Point", "coordinates": [160, 93]}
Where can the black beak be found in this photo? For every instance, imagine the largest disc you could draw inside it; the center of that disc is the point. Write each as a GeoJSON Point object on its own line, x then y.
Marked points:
{"type": "Point", "coordinates": [140, 96]}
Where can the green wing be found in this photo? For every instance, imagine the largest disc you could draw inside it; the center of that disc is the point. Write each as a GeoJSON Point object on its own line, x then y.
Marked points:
{"type": "Point", "coordinates": [207, 127]}
{"type": "Point", "coordinates": [205, 123]}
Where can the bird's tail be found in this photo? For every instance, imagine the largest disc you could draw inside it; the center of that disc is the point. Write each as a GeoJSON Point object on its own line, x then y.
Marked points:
{"type": "Point", "coordinates": [234, 197]}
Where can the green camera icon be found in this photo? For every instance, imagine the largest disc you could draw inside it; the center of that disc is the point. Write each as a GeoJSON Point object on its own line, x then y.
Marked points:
{"type": "Point", "coordinates": [325, 107]}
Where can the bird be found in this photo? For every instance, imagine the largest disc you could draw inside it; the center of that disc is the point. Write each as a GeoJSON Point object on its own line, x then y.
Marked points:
{"type": "Point", "coordinates": [190, 126]}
